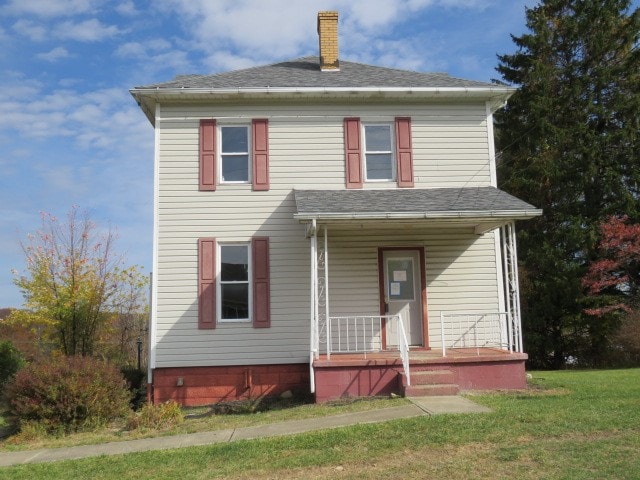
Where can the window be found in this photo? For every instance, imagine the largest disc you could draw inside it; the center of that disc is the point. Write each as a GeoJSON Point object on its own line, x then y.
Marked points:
{"type": "Point", "coordinates": [378, 153]}
{"type": "Point", "coordinates": [385, 153]}
{"type": "Point", "coordinates": [234, 152]}
{"type": "Point", "coordinates": [234, 283]}
{"type": "Point", "coordinates": [230, 154]}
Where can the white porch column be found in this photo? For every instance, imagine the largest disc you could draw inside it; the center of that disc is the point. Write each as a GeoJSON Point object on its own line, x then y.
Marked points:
{"type": "Point", "coordinates": [313, 326]}
{"type": "Point", "coordinates": [512, 294]}
{"type": "Point", "coordinates": [321, 296]}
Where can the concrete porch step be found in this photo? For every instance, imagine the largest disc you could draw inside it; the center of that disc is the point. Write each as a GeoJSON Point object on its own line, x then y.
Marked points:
{"type": "Point", "coordinates": [427, 383]}
{"type": "Point", "coordinates": [432, 390]}
{"type": "Point", "coordinates": [431, 377]}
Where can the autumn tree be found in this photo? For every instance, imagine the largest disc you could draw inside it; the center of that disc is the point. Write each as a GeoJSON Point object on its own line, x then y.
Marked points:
{"type": "Point", "coordinates": [128, 318]}
{"type": "Point", "coordinates": [73, 280]}
{"type": "Point", "coordinates": [613, 280]}
{"type": "Point", "coordinates": [612, 284]}
{"type": "Point", "coordinates": [568, 142]}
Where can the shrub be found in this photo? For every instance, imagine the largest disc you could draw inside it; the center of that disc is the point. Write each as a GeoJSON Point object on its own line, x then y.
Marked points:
{"type": "Point", "coordinates": [11, 361]}
{"type": "Point", "coordinates": [136, 380]}
{"type": "Point", "coordinates": [163, 415]}
{"type": "Point", "coordinates": [68, 393]}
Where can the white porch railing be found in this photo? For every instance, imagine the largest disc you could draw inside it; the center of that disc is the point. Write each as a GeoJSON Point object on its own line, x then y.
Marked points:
{"type": "Point", "coordinates": [363, 334]}
{"type": "Point", "coordinates": [478, 330]}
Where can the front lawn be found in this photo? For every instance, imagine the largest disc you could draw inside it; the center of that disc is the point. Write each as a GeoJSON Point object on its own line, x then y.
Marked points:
{"type": "Point", "coordinates": [569, 425]}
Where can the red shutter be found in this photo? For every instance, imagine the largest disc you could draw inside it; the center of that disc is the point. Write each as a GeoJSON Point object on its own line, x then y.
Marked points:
{"type": "Point", "coordinates": [404, 152]}
{"type": "Point", "coordinates": [261, 284]}
{"type": "Point", "coordinates": [207, 283]}
{"type": "Point", "coordinates": [352, 152]}
{"type": "Point", "coordinates": [260, 157]}
{"type": "Point", "coordinates": [207, 155]}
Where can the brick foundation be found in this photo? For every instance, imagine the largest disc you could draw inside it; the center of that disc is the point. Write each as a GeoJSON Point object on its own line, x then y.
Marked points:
{"type": "Point", "coordinates": [334, 379]}
{"type": "Point", "coordinates": [207, 385]}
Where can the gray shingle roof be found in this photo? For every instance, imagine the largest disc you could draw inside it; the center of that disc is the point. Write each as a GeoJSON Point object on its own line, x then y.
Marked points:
{"type": "Point", "coordinates": [437, 202]}
{"type": "Point", "coordinates": [305, 72]}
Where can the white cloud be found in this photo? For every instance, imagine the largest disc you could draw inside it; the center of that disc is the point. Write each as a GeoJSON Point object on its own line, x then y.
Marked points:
{"type": "Point", "coordinates": [127, 9]}
{"type": "Point", "coordinates": [50, 8]}
{"type": "Point", "coordinates": [226, 61]}
{"type": "Point", "coordinates": [130, 50]}
{"type": "Point", "coordinates": [236, 34]}
{"type": "Point", "coordinates": [34, 31]}
{"type": "Point", "coordinates": [274, 29]}
{"type": "Point", "coordinates": [54, 55]}
{"type": "Point", "coordinates": [88, 118]}
{"type": "Point", "coordinates": [86, 31]}
{"type": "Point", "coordinates": [141, 49]}
{"type": "Point", "coordinates": [154, 55]}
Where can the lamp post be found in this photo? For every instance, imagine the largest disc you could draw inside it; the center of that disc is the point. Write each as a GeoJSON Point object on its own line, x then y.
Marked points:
{"type": "Point", "coordinates": [139, 352]}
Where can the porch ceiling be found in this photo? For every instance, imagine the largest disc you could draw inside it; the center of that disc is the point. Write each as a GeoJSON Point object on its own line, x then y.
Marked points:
{"type": "Point", "coordinates": [483, 207]}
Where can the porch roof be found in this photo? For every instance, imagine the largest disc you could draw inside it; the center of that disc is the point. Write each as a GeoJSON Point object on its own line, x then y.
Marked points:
{"type": "Point", "coordinates": [486, 205]}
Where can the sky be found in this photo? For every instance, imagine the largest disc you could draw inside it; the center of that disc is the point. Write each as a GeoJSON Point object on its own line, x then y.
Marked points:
{"type": "Point", "coordinates": [72, 135]}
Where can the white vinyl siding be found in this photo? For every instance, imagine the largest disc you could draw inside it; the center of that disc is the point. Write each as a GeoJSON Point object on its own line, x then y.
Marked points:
{"type": "Point", "coordinates": [306, 150]}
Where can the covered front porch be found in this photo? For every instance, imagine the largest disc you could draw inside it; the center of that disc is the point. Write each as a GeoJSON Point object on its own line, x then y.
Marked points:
{"type": "Point", "coordinates": [404, 297]}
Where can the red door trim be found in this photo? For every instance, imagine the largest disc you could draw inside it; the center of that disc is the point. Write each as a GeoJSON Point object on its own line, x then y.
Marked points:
{"type": "Point", "coordinates": [423, 285]}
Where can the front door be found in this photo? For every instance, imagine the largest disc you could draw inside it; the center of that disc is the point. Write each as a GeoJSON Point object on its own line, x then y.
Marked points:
{"type": "Point", "coordinates": [403, 292]}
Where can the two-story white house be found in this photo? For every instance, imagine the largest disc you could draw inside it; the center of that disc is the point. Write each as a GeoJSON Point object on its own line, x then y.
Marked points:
{"type": "Point", "coordinates": [328, 226]}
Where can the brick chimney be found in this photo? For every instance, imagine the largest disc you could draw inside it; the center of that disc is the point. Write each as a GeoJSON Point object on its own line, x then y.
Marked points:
{"type": "Point", "coordinates": [328, 35]}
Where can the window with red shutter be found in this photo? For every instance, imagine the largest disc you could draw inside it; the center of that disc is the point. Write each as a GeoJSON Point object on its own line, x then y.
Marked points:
{"type": "Point", "coordinates": [207, 283]}
{"type": "Point", "coordinates": [261, 282]}
{"type": "Point", "coordinates": [260, 154]}
{"type": "Point", "coordinates": [235, 156]}
{"type": "Point", "coordinates": [404, 152]}
{"type": "Point", "coordinates": [207, 155]}
{"type": "Point", "coordinates": [352, 153]}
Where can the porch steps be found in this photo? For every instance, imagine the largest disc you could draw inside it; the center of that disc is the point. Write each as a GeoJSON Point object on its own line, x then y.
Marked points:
{"type": "Point", "coordinates": [427, 383]}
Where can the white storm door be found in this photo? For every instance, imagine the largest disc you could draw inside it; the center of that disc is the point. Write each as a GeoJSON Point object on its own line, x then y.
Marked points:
{"type": "Point", "coordinates": [403, 292]}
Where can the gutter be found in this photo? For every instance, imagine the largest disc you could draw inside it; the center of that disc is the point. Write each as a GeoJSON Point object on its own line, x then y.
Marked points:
{"type": "Point", "coordinates": [502, 214]}
{"type": "Point", "coordinates": [445, 91]}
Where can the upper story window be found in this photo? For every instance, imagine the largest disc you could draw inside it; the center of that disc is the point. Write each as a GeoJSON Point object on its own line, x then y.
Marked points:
{"type": "Point", "coordinates": [234, 154]}
{"type": "Point", "coordinates": [378, 152]}
{"type": "Point", "coordinates": [234, 283]}
{"type": "Point", "coordinates": [379, 164]}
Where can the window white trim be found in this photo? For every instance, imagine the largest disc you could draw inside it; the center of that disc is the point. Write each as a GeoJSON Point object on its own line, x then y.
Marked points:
{"type": "Point", "coordinates": [219, 282]}
{"type": "Point", "coordinates": [221, 155]}
{"type": "Point", "coordinates": [391, 153]}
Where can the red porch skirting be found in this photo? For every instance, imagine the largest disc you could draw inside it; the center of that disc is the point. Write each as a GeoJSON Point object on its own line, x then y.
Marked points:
{"type": "Point", "coordinates": [193, 386]}
{"type": "Point", "coordinates": [356, 376]}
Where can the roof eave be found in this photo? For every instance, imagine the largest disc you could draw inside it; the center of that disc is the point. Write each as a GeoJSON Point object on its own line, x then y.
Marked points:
{"type": "Point", "coordinates": [448, 215]}
{"type": "Point", "coordinates": [486, 92]}
{"type": "Point", "coordinates": [148, 97]}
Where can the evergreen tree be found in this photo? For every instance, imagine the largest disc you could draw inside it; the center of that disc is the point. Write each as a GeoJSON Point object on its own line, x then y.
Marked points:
{"type": "Point", "coordinates": [569, 145]}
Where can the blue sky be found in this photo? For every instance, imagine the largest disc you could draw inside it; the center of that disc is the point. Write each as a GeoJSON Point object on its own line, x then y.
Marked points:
{"type": "Point", "coordinates": [70, 133]}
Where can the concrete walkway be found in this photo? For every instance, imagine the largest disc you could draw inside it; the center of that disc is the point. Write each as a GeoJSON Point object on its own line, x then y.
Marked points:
{"type": "Point", "coordinates": [419, 406]}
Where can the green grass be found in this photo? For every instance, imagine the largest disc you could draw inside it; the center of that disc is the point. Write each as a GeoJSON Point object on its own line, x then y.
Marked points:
{"type": "Point", "coordinates": [569, 425]}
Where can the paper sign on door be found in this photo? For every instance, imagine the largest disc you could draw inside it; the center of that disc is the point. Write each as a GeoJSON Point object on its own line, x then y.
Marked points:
{"type": "Point", "coordinates": [399, 276]}
{"type": "Point", "coordinates": [395, 288]}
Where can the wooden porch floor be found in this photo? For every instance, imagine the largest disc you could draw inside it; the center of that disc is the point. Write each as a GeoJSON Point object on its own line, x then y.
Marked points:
{"type": "Point", "coordinates": [419, 357]}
